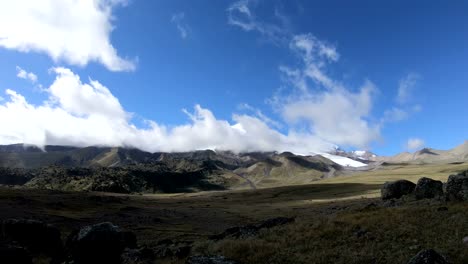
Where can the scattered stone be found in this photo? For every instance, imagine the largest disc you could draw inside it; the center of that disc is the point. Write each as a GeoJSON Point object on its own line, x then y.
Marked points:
{"type": "Point", "coordinates": [277, 221]}
{"type": "Point", "coordinates": [442, 209]}
{"type": "Point", "coordinates": [10, 254]}
{"type": "Point", "coordinates": [396, 189]}
{"type": "Point", "coordinates": [100, 243]}
{"type": "Point", "coordinates": [465, 241]}
{"type": "Point", "coordinates": [428, 256]}
{"type": "Point", "coordinates": [209, 260]}
{"type": "Point", "coordinates": [251, 230]}
{"type": "Point", "coordinates": [457, 188]}
{"type": "Point", "coordinates": [34, 235]}
{"type": "Point", "coordinates": [427, 188]}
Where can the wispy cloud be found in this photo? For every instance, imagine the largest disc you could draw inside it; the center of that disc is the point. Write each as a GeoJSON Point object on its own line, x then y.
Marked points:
{"type": "Point", "coordinates": [241, 15]}
{"type": "Point", "coordinates": [21, 73]}
{"type": "Point", "coordinates": [405, 106]}
{"type": "Point", "coordinates": [45, 27]}
{"type": "Point", "coordinates": [414, 144]}
{"type": "Point", "coordinates": [406, 87]}
{"type": "Point", "coordinates": [179, 20]}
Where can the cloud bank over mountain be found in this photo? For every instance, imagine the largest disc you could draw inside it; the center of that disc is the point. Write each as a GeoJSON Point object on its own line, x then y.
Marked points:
{"type": "Point", "coordinates": [82, 114]}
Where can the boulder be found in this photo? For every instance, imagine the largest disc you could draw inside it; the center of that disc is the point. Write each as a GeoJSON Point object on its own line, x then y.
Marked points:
{"type": "Point", "coordinates": [209, 260]}
{"type": "Point", "coordinates": [34, 235]}
{"type": "Point", "coordinates": [428, 256]}
{"type": "Point", "coordinates": [427, 188]}
{"type": "Point", "coordinates": [10, 254]}
{"type": "Point", "coordinates": [137, 256]}
{"type": "Point", "coordinates": [457, 187]}
{"type": "Point", "coordinates": [100, 243]}
{"type": "Point", "coordinates": [396, 189]}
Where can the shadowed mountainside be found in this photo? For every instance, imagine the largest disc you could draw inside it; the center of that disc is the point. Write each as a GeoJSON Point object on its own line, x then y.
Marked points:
{"type": "Point", "coordinates": [125, 170]}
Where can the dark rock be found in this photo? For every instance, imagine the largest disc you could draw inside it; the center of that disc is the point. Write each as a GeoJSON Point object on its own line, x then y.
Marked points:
{"type": "Point", "coordinates": [442, 209]}
{"type": "Point", "coordinates": [427, 188]}
{"type": "Point", "coordinates": [252, 230]}
{"type": "Point", "coordinates": [457, 188]}
{"type": "Point", "coordinates": [237, 232]}
{"type": "Point", "coordinates": [100, 243]}
{"type": "Point", "coordinates": [396, 189]}
{"type": "Point", "coordinates": [10, 254]}
{"type": "Point", "coordinates": [36, 236]}
{"type": "Point", "coordinates": [277, 221]}
{"type": "Point", "coordinates": [209, 260]}
{"type": "Point", "coordinates": [428, 256]}
{"type": "Point", "coordinates": [142, 255]}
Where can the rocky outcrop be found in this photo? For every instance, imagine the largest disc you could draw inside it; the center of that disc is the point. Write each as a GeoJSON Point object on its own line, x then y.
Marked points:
{"type": "Point", "coordinates": [428, 256]}
{"type": "Point", "coordinates": [457, 187]}
{"type": "Point", "coordinates": [427, 188]}
{"type": "Point", "coordinates": [36, 236]}
{"type": "Point", "coordinates": [397, 189]}
{"type": "Point", "coordinates": [100, 243]}
{"type": "Point", "coordinates": [209, 260]}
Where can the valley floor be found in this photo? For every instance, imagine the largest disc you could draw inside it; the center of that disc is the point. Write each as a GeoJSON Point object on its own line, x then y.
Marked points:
{"type": "Point", "coordinates": [340, 220]}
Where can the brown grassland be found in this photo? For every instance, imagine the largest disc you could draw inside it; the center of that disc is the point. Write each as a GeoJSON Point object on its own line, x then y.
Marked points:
{"type": "Point", "coordinates": [338, 220]}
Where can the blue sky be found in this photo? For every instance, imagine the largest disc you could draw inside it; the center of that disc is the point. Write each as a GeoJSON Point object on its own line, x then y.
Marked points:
{"type": "Point", "coordinates": [267, 75]}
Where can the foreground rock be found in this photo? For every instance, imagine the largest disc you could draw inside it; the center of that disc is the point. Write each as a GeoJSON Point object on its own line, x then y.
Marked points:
{"type": "Point", "coordinates": [36, 236]}
{"type": "Point", "coordinates": [10, 254]}
{"type": "Point", "coordinates": [209, 260]}
{"type": "Point", "coordinates": [457, 187]}
{"type": "Point", "coordinates": [428, 256]}
{"type": "Point", "coordinates": [137, 256]}
{"type": "Point", "coordinates": [100, 243]}
{"type": "Point", "coordinates": [396, 189]}
{"type": "Point", "coordinates": [427, 188]}
{"type": "Point", "coordinates": [251, 230]}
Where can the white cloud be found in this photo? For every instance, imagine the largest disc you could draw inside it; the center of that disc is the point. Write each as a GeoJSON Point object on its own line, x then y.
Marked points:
{"type": "Point", "coordinates": [178, 19]}
{"type": "Point", "coordinates": [395, 115]}
{"type": "Point", "coordinates": [241, 15]}
{"type": "Point", "coordinates": [406, 87]}
{"type": "Point", "coordinates": [83, 114]}
{"type": "Point", "coordinates": [76, 32]}
{"type": "Point", "coordinates": [414, 144]}
{"type": "Point", "coordinates": [26, 75]}
{"type": "Point", "coordinates": [336, 116]}
{"type": "Point", "coordinates": [322, 104]}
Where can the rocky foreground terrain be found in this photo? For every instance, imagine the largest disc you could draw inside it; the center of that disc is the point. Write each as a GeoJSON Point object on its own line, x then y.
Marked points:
{"type": "Point", "coordinates": [414, 223]}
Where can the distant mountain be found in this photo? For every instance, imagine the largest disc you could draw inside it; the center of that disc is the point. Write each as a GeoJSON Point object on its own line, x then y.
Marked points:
{"type": "Point", "coordinates": [128, 170]}
{"type": "Point", "coordinates": [360, 157]}
{"type": "Point", "coordinates": [430, 156]}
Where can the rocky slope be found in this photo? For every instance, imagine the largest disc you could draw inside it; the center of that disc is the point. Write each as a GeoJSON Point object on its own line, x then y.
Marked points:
{"type": "Point", "coordinates": [126, 170]}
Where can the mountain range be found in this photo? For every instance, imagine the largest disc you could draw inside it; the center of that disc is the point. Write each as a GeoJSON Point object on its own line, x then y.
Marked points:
{"type": "Point", "coordinates": [127, 170]}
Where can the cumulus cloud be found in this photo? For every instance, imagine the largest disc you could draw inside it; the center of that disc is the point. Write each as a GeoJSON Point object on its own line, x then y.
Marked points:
{"type": "Point", "coordinates": [20, 73]}
{"type": "Point", "coordinates": [414, 143]}
{"type": "Point", "coordinates": [329, 109]}
{"type": "Point", "coordinates": [76, 32]}
{"type": "Point", "coordinates": [178, 19]}
{"type": "Point", "coordinates": [83, 114]}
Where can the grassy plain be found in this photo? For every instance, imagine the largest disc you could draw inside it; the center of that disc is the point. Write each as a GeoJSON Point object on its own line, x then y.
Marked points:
{"type": "Point", "coordinates": [338, 220]}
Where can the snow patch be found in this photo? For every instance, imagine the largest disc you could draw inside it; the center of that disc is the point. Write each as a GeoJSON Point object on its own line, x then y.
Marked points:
{"type": "Point", "coordinates": [343, 161]}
